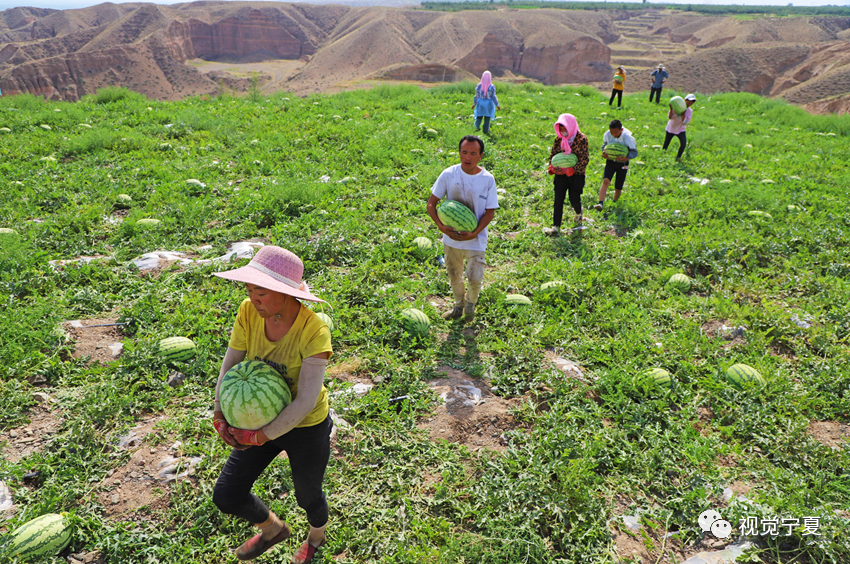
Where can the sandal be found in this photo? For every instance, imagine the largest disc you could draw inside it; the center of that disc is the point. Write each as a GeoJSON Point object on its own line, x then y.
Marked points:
{"type": "Point", "coordinates": [306, 552]}
{"type": "Point", "coordinates": [256, 546]}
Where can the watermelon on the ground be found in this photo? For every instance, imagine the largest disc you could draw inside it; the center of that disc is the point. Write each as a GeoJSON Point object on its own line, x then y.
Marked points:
{"type": "Point", "coordinates": [553, 286]}
{"type": "Point", "coordinates": [678, 105]}
{"type": "Point", "coordinates": [196, 183]}
{"type": "Point", "coordinates": [5, 130]}
{"type": "Point", "coordinates": [432, 133]}
{"type": "Point", "coordinates": [423, 246]}
{"type": "Point", "coordinates": [517, 299]}
{"type": "Point", "coordinates": [327, 319]}
{"type": "Point", "coordinates": [175, 349]}
{"type": "Point", "coordinates": [759, 214]}
{"type": "Point", "coordinates": [147, 222]}
{"type": "Point", "coordinates": [615, 150]}
{"type": "Point", "coordinates": [659, 376]}
{"type": "Point", "coordinates": [45, 127]}
{"type": "Point", "coordinates": [252, 394]}
{"type": "Point", "coordinates": [7, 231]}
{"type": "Point", "coordinates": [563, 160]}
{"type": "Point", "coordinates": [43, 536]}
{"type": "Point", "coordinates": [457, 216]}
{"type": "Point", "coordinates": [794, 209]}
{"type": "Point", "coordinates": [741, 375]}
{"type": "Point", "coordinates": [122, 201]}
{"type": "Point", "coordinates": [680, 282]}
{"type": "Point", "coordinates": [415, 321]}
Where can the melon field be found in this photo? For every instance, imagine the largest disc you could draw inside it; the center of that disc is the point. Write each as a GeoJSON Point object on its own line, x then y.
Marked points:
{"type": "Point", "coordinates": [536, 433]}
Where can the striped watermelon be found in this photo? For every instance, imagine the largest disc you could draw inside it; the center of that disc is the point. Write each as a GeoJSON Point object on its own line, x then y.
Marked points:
{"type": "Point", "coordinates": [422, 246]}
{"type": "Point", "coordinates": [615, 150]}
{"type": "Point", "coordinates": [553, 286]}
{"type": "Point", "coordinates": [759, 214]}
{"type": "Point", "coordinates": [618, 78]}
{"type": "Point", "coordinates": [741, 375]}
{"type": "Point", "coordinates": [327, 319]}
{"type": "Point", "coordinates": [457, 216]}
{"type": "Point", "coordinates": [174, 349]}
{"type": "Point", "coordinates": [680, 282]}
{"type": "Point", "coordinates": [563, 160]}
{"type": "Point", "coordinates": [146, 223]}
{"type": "Point", "coordinates": [415, 321]}
{"type": "Point", "coordinates": [678, 105]}
{"type": "Point", "coordinates": [7, 231]}
{"type": "Point", "coordinates": [659, 376]}
{"type": "Point", "coordinates": [43, 536]}
{"type": "Point", "coordinates": [517, 299]}
{"type": "Point", "coordinates": [252, 394]}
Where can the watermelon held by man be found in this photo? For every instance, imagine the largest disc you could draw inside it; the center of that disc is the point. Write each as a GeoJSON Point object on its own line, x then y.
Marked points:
{"type": "Point", "coordinates": [457, 216]}
{"type": "Point", "coordinates": [252, 394]}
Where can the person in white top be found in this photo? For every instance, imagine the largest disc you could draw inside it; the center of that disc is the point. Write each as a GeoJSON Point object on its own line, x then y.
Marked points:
{"type": "Point", "coordinates": [615, 166]}
{"type": "Point", "coordinates": [677, 124]}
{"type": "Point", "coordinates": [474, 187]}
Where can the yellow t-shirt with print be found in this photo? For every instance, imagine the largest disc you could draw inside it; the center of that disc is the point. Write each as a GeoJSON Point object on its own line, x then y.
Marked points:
{"type": "Point", "coordinates": [308, 336]}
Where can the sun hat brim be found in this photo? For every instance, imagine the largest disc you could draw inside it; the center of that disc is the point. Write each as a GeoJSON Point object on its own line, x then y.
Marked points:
{"type": "Point", "coordinates": [250, 275]}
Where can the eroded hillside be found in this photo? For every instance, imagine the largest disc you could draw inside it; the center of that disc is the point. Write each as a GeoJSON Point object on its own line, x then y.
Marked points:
{"type": "Point", "coordinates": [159, 50]}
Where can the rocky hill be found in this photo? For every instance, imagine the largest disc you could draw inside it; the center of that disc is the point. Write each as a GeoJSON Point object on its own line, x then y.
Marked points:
{"type": "Point", "coordinates": [164, 52]}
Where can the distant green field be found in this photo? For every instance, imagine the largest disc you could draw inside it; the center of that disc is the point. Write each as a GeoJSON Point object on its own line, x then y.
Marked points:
{"type": "Point", "coordinates": [342, 181]}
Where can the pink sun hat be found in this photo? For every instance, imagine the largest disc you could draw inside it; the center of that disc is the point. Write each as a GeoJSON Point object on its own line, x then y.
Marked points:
{"type": "Point", "coordinates": [276, 269]}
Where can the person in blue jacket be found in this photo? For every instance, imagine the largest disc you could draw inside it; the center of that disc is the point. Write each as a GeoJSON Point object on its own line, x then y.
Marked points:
{"type": "Point", "coordinates": [658, 76]}
{"type": "Point", "coordinates": [485, 102]}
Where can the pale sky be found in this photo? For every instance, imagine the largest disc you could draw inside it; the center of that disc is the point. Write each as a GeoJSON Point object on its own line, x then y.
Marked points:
{"type": "Point", "coordinates": [70, 4]}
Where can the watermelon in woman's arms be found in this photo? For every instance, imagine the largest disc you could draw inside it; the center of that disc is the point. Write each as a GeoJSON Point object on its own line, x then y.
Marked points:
{"type": "Point", "coordinates": [563, 160]}
{"type": "Point", "coordinates": [252, 394]}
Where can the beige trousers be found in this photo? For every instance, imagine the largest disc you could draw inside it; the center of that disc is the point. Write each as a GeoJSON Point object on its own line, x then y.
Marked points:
{"type": "Point", "coordinates": [475, 263]}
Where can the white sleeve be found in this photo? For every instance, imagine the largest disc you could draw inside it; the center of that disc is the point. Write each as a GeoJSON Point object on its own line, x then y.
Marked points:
{"type": "Point", "coordinates": [492, 196]}
{"type": "Point", "coordinates": [439, 188]}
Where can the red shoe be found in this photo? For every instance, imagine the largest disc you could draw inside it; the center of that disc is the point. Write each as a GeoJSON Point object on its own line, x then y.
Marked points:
{"type": "Point", "coordinates": [306, 553]}
{"type": "Point", "coordinates": [256, 546]}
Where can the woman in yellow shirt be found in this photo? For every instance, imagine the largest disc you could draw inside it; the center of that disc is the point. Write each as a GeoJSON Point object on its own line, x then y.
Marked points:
{"type": "Point", "coordinates": [272, 326]}
{"type": "Point", "coordinates": [619, 83]}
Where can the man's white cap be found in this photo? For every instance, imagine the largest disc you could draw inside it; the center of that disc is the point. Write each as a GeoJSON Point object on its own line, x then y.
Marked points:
{"type": "Point", "coordinates": [660, 67]}
{"type": "Point", "coordinates": [691, 97]}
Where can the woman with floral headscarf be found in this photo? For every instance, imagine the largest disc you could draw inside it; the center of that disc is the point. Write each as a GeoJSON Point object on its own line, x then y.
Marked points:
{"type": "Point", "coordinates": [569, 140]}
{"type": "Point", "coordinates": [485, 102]}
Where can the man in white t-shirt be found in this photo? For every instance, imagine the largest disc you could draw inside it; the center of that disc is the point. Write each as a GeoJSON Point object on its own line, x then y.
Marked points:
{"type": "Point", "coordinates": [475, 188]}
{"type": "Point", "coordinates": [615, 167]}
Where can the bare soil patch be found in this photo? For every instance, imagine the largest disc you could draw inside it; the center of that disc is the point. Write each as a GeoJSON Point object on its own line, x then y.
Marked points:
{"type": "Point", "coordinates": [470, 414]}
{"type": "Point", "coordinates": [138, 490]}
{"type": "Point", "coordinates": [19, 443]}
{"type": "Point", "coordinates": [98, 343]}
{"type": "Point", "coordinates": [830, 433]}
